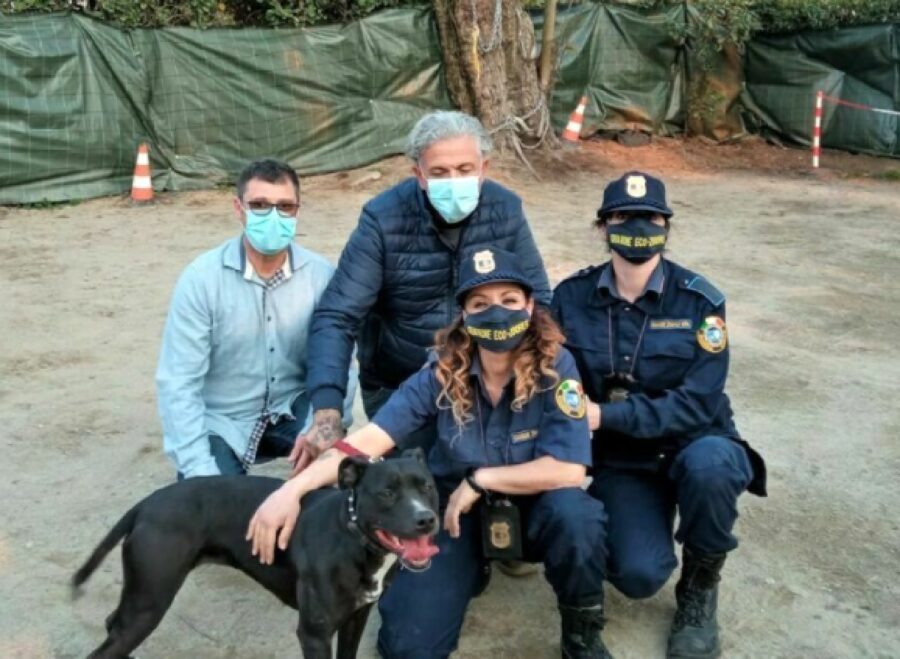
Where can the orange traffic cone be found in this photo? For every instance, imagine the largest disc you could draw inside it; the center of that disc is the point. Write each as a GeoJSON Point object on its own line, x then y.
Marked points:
{"type": "Point", "coordinates": [141, 185]}
{"type": "Point", "coordinates": [572, 132]}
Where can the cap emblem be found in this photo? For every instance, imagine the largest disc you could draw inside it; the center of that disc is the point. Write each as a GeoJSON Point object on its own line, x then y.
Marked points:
{"type": "Point", "coordinates": [636, 186]}
{"type": "Point", "coordinates": [484, 262]}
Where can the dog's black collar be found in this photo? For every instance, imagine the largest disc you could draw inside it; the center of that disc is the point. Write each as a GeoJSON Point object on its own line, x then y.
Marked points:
{"type": "Point", "coordinates": [353, 525]}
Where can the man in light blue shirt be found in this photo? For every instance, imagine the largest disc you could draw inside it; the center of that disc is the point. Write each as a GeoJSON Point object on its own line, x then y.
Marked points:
{"type": "Point", "coordinates": [232, 369]}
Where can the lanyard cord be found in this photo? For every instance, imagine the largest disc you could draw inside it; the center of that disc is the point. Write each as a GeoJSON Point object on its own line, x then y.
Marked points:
{"type": "Point", "coordinates": [487, 460]}
{"type": "Point", "coordinates": [637, 346]}
{"type": "Point", "coordinates": [481, 426]}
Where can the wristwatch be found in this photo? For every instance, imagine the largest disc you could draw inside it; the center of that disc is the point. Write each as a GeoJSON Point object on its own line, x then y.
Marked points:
{"type": "Point", "coordinates": [470, 479]}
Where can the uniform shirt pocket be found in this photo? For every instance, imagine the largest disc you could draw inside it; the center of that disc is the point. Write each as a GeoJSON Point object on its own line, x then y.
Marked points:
{"type": "Point", "coordinates": [521, 450]}
{"type": "Point", "coordinates": [665, 359]}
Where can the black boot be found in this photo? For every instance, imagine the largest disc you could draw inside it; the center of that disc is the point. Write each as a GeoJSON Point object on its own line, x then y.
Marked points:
{"type": "Point", "coordinates": [581, 627]}
{"type": "Point", "coordinates": [695, 630]}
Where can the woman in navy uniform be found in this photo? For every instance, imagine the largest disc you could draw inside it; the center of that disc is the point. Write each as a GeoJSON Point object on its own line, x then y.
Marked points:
{"type": "Point", "coordinates": [512, 425]}
{"type": "Point", "coordinates": [651, 344]}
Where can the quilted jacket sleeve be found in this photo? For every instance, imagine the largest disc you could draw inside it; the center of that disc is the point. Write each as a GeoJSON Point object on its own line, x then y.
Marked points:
{"type": "Point", "coordinates": [350, 295]}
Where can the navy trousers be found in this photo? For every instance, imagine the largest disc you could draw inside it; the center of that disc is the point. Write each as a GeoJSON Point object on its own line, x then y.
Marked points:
{"type": "Point", "coordinates": [422, 613]}
{"type": "Point", "coordinates": [703, 483]}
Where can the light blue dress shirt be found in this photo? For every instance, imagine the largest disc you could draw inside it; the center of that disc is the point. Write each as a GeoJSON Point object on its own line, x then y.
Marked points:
{"type": "Point", "coordinates": [233, 350]}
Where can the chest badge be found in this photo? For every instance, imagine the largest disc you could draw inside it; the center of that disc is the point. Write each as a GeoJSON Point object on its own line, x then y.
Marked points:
{"type": "Point", "coordinates": [501, 538]}
{"type": "Point", "coordinates": [570, 398]}
{"type": "Point", "coordinates": [484, 261]}
{"type": "Point", "coordinates": [712, 335]}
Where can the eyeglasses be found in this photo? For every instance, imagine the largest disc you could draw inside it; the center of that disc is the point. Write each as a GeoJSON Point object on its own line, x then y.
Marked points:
{"type": "Point", "coordinates": [285, 209]}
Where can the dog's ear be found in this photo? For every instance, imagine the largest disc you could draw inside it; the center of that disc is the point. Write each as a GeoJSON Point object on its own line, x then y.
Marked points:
{"type": "Point", "coordinates": [351, 472]}
{"type": "Point", "coordinates": [414, 453]}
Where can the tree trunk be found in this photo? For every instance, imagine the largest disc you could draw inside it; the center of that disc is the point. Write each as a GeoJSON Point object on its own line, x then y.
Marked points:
{"type": "Point", "coordinates": [490, 63]}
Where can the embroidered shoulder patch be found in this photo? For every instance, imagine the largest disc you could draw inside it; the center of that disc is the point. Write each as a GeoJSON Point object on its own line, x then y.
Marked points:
{"type": "Point", "coordinates": [570, 398]}
{"type": "Point", "coordinates": [700, 285]}
{"type": "Point", "coordinates": [712, 335]}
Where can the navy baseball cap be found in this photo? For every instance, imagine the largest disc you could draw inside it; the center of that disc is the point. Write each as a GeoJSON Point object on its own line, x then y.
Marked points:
{"type": "Point", "coordinates": [486, 265]}
{"type": "Point", "coordinates": [635, 191]}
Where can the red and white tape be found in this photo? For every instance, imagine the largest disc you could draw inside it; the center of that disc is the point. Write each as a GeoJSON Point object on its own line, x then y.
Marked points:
{"type": "Point", "coordinates": [817, 130]}
{"type": "Point", "coordinates": [821, 97]}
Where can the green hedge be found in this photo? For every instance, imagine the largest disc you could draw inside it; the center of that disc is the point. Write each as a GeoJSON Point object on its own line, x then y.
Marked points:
{"type": "Point", "coordinates": [220, 13]}
{"type": "Point", "coordinates": [777, 16]}
{"type": "Point", "coordinates": [772, 16]}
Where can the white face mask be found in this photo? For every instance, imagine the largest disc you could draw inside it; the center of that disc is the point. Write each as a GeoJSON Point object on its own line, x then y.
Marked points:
{"type": "Point", "coordinates": [454, 198]}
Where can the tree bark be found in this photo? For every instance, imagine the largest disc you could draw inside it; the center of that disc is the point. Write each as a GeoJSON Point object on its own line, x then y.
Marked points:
{"type": "Point", "coordinates": [490, 64]}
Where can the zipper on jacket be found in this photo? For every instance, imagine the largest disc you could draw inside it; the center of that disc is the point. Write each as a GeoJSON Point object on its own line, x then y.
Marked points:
{"type": "Point", "coordinates": [454, 282]}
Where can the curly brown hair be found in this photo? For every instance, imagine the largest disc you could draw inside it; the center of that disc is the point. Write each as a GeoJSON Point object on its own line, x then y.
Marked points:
{"type": "Point", "coordinates": [533, 361]}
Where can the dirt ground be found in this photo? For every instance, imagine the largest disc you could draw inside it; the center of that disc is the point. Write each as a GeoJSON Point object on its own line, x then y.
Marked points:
{"type": "Point", "coordinates": [810, 266]}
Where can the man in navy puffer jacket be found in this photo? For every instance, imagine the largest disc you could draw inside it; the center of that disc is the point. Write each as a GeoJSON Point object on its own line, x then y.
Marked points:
{"type": "Point", "coordinates": [394, 284]}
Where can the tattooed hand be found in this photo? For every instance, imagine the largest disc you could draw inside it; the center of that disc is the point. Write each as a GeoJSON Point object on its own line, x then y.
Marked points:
{"type": "Point", "coordinates": [326, 430]}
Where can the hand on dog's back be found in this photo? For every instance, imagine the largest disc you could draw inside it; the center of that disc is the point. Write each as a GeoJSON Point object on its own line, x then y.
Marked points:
{"type": "Point", "coordinates": [274, 520]}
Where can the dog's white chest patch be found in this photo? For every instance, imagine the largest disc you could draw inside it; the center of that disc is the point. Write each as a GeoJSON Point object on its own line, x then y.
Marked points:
{"type": "Point", "coordinates": [374, 593]}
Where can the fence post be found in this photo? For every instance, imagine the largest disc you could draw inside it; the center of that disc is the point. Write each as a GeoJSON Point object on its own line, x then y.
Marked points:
{"type": "Point", "coordinates": [817, 130]}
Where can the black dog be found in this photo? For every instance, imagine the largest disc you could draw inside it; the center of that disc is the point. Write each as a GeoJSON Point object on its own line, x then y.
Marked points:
{"type": "Point", "coordinates": [342, 551]}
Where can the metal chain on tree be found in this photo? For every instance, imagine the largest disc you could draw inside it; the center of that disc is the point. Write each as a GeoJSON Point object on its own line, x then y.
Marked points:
{"type": "Point", "coordinates": [517, 124]}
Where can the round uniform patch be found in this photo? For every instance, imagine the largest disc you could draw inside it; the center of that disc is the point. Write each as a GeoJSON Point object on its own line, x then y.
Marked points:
{"type": "Point", "coordinates": [570, 398]}
{"type": "Point", "coordinates": [712, 335]}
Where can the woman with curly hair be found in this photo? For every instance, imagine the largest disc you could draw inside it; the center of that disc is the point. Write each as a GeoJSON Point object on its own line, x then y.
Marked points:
{"type": "Point", "coordinates": [511, 454]}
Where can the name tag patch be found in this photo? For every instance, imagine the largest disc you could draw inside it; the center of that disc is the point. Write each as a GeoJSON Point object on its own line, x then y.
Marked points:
{"type": "Point", "coordinates": [670, 323]}
{"type": "Point", "coordinates": [524, 435]}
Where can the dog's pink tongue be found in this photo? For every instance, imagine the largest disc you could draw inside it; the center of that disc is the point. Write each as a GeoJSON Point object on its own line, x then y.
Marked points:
{"type": "Point", "coordinates": [418, 549]}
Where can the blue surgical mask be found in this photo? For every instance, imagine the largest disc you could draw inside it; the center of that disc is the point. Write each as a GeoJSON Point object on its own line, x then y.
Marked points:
{"type": "Point", "coordinates": [454, 198]}
{"type": "Point", "coordinates": [270, 233]}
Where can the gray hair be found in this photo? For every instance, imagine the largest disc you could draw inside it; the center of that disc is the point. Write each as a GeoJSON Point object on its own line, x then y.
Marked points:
{"type": "Point", "coordinates": [442, 124]}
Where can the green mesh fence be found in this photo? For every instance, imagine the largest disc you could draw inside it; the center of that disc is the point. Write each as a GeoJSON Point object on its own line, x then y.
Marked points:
{"type": "Point", "coordinates": [628, 63]}
{"type": "Point", "coordinates": [860, 65]}
{"type": "Point", "coordinates": [78, 96]}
